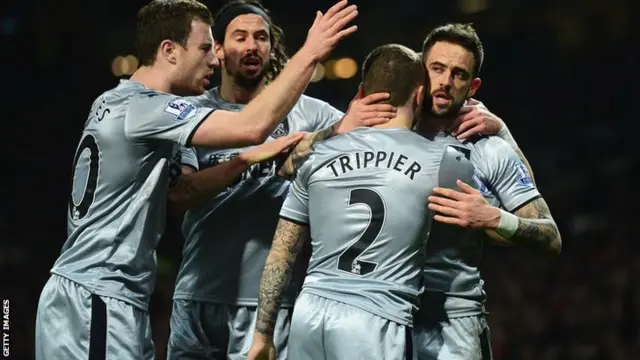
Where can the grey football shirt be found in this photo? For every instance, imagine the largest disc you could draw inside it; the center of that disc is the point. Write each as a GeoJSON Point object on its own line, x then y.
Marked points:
{"type": "Point", "coordinates": [227, 240]}
{"type": "Point", "coordinates": [121, 176]}
{"type": "Point", "coordinates": [364, 197]}
{"type": "Point", "coordinates": [453, 253]}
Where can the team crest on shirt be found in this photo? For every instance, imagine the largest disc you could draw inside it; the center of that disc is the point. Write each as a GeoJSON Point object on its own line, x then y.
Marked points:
{"type": "Point", "coordinates": [181, 109]}
{"type": "Point", "coordinates": [484, 190]}
{"type": "Point", "coordinates": [282, 129]}
{"type": "Point", "coordinates": [523, 177]}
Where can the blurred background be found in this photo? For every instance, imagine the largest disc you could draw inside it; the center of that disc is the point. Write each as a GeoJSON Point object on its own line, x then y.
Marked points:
{"type": "Point", "coordinates": [562, 74]}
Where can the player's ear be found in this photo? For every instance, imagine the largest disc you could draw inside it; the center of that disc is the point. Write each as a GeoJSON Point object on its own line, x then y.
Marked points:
{"type": "Point", "coordinates": [169, 50]}
{"type": "Point", "coordinates": [218, 51]}
{"type": "Point", "coordinates": [475, 85]}
{"type": "Point", "coordinates": [419, 96]}
{"type": "Point", "coordinates": [360, 93]}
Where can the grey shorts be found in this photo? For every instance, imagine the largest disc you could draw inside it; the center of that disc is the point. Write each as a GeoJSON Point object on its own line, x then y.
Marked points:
{"type": "Point", "coordinates": [218, 332]}
{"type": "Point", "coordinates": [326, 329]}
{"type": "Point", "coordinates": [72, 323]}
{"type": "Point", "coordinates": [464, 338]}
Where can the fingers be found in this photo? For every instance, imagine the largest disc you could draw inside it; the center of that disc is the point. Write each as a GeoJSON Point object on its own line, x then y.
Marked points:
{"type": "Point", "coordinates": [374, 121]}
{"type": "Point", "coordinates": [445, 210]}
{"type": "Point", "coordinates": [337, 7]}
{"type": "Point", "coordinates": [465, 109]}
{"type": "Point", "coordinates": [380, 107]}
{"type": "Point", "coordinates": [466, 125]}
{"type": "Point", "coordinates": [439, 200]}
{"type": "Point", "coordinates": [450, 193]}
{"type": "Point", "coordinates": [344, 33]}
{"type": "Point", "coordinates": [469, 113]}
{"type": "Point", "coordinates": [290, 140]}
{"type": "Point", "coordinates": [466, 187]}
{"type": "Point", "coordinates": [374, 98]}
{"type": "Point", "coordinates": [472, 101]}
{"type": "Point", "coordinates": [317, 19]}
{"type": "Point", "coordinates": [447, 220]}
{"type": "Point", "coordinates": [341, 19]}
{"type": "Point", "coordinates": [454, 126]}
{"type": "Point", "coordinates": [377, 114]}
{"type": "Point", "coordinates": [471, 132]}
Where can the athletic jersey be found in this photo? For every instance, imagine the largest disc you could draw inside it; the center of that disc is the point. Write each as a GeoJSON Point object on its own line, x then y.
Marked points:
{"type": "Point", "coordinates": [453, 253]}
{"type": "Point", "coordinates": [364, 197]}
{"type": "Point", "coordinates": [121, 176]}
{"type": "Point", "coordinates": [227, 241]}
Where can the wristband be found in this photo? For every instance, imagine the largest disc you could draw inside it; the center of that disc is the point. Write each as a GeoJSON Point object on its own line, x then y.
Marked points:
{"type": "Point", "coordinates": [508, 224]}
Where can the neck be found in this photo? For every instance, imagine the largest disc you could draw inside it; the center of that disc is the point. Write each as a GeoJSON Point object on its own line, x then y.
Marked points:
{"type": "Point", "coordinates": [403, 120]}
{"type": "Point", "coordinates": [235, 94]}
{"type": "Point", "coordinates": [152, 77]}
{"type": "Point", "coordinates": [433, 123]}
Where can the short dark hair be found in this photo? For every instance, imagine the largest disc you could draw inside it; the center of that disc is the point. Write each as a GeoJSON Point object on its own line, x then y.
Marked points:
{"type": "Point", "coordinates": [395, 69]}
{"type": "Point", "coordinates": [460, 34]}
{"type": "Point", "coordinates": [162, 20]}
{"type": "Point", "coordinates": [278, 57]}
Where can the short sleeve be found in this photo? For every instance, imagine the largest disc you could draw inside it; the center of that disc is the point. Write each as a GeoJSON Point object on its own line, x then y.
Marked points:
{"type": "Point", "coordinates": [327, 116]}
{"type": "Point", "coordinates": [189, 157]}
{"type": "Point", "coordinates": [506, 175]}
{"type": "Point", "coordinates": [159, 116]}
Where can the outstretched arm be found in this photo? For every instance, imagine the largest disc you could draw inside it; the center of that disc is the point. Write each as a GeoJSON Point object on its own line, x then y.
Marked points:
{"type": "Point", "coordinates": [287, 244]}
{"type": "Point", "coordinates": [194, 188]}
{"type": "Point", "coordinates": [257, 120]}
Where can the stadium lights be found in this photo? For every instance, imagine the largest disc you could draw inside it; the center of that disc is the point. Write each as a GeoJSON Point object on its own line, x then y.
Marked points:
{"type": "Point", "coordinates": [472, 6]}
{"type": "Point", "coordinates": [345, 68]}
{"type": "Point", "coordinates": [124, 65]}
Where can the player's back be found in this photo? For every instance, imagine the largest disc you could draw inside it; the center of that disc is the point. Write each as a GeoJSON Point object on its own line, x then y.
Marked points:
{"type": "Point", "coordinates": [368, 217]}
{"type": "Point", "coordinates": [117, 207]}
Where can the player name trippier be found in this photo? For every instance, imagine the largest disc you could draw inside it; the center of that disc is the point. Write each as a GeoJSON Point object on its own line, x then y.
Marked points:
{"type": "Point", "coordinates": [367, 159]}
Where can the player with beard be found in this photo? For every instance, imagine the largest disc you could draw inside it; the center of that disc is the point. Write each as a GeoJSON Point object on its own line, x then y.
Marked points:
{"type": "Point", "coordinates": [228, 231]}
{"type": "Point", "coordinates": [95, 304]}
{"type": "Point", "coordinates": [507, 205]}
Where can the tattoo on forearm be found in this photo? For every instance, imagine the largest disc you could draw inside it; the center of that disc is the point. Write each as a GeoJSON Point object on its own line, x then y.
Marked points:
{"type": "Point", "coordinates": [288, 241]}
{"type": "Point", "coordinates": [536, 227]}
{"type": "Point", "coordinates": [301, 152]}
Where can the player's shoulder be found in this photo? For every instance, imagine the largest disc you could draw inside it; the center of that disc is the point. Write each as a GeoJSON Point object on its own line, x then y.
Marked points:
{"type": "Point", "coordinates": [487, 144]}
{"type": "Point", "coordinates": [310, 105]}
{"type": "Point", "coordinates": [212, 99]}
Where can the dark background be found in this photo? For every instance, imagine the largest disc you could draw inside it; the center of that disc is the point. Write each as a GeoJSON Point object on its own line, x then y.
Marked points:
{"type": "Point", "coordinates": [562, 74]}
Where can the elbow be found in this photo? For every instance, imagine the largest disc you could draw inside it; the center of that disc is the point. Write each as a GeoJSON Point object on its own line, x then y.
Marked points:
{"type": "Point", "coordinates": [256, 132]}
{"type": "Point", "coordinates": [255, 136]}
{"type": "Point", "coordinates": [555, 245]}
{"type": "Point", "coordinates": [555, 248]}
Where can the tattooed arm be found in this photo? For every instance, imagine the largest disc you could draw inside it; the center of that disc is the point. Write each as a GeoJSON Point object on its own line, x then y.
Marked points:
{"type": "Point", "coordinates": [533, 226]}
{"type": "Point", "coordinates": [287, 243]}
{"type": "Point", "coordinates": [363, 111]}
{"type": "Point", "coordinates": [536, 229]}
{"type": "Point", "coordinates": [301, 152]}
